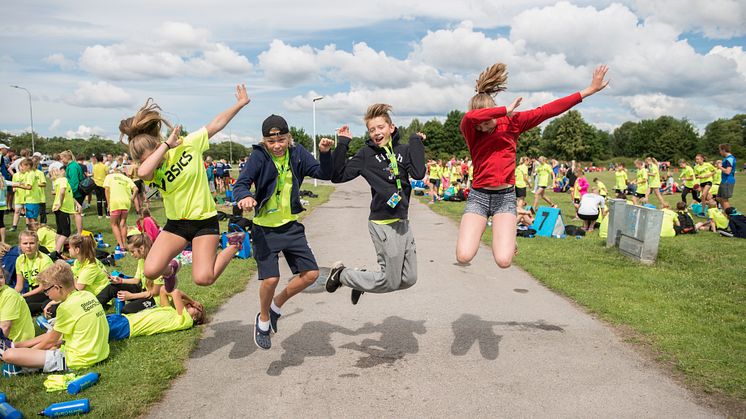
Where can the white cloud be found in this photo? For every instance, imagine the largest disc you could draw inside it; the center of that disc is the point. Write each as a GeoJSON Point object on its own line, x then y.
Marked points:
{"type": "Point", "coordinates": [246, 140]}
{"type": "Point", "coordinates": [84, 131]}
{"type": "Point", "coordinates": [166, 57]}
{"type": "Point", "coordinates": [55, 124]}
{"type": "Point", "coordinates": [714, 18]}
{"type": "Point", "coordinates": [737, 54]}
{"type": "Point", "coordinates": [60, 61]}
{"type": "Point", "coordinates": [643, 56]}
{"type": "Point", "coordinates": [99, 95]}
{"type": "Point", "coordinates": [651, 106]}
{"type": "Point", "coordinates": [288, 65]}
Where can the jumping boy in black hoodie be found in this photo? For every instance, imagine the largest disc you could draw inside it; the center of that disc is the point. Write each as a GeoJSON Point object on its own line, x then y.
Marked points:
{"type": "Point", "coordinates": [387, 166]}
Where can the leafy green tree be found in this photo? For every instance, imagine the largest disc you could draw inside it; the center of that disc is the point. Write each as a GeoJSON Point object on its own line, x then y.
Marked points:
{"type": "Point", "coordinates": [529, 143]}
{"type": "Point", "coordinates": [436, 139]}
{"type": "Point", "coordinates": [224, 150]}
{"type": "Point", "coordinates": [729, 131]}
{"type": "Point", "coordinates": [569, 137]}
{"type": "Point", "coordinates": [301, 137]}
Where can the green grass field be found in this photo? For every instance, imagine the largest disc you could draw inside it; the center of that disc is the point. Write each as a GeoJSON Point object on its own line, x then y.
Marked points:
{"type": "Point", "coordinates": [139, 370]}
{"type": "Point", "coordinates": [689, 308]}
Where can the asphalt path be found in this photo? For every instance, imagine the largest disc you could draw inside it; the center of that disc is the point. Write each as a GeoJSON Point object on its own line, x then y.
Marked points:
{"type": "Point", "coordinates": [474, 341]}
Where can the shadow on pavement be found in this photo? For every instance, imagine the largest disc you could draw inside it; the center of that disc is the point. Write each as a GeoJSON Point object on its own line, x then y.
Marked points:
{"type": "Point", "coordinates": [314, 339]}
{"type": "Point", "coordinates": [470, 329]}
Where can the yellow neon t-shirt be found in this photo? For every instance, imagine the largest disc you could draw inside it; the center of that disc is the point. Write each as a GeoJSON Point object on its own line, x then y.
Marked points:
{"type": "Point", "coordinates": [642, 181]}
{"type": "Point", "coordinates": [276, 211]}
{"type": "Point", "coordinates": [521, 174]}
{"type": "Point", "coordinates": [120, 191]}
{"type": "Point", "coordinates": [667, 229]}
{"type": "Point", "coordinates": [19, 195]}
{"type": "Point", "coordinates": [99, 173]}
{"type": "Point", "coordinates": [82, 322]}
{"type": "Point", "coordinates": [139, 274]}
{"type": "Point", "coordinates": [182, 180]}
{"type": "Point", "coordinates": [91, 274]}
{"type": "Point", "coordinates": [620, 178]}
{"type": "Point", "coordinates": [68, 206]}
{"type": "Point", "coordinates": [704, 172]}
{"type": "Point", "coordinates": [545, 174]}
{"type": "Point", "coordinates": [434, 171]}
{"type": "Point", "coordinates": [14, 308]}
{"type": "Point", "coordinates": [602, 189]}
{"type": "Point", "coordinates": [158, 320]}
{"type": "Point", "coordinates": [654, 177]}
{"type": "Point", "coordinates": [47, 237]}
{"type": "Point", "coordinates": [36, 194]}
{"type": "Point", "coordinates": [688, 172]}
{"type": "Point", "coordinates": [721, 220]}
{"type": "Point", "coordinates": [29, 268]}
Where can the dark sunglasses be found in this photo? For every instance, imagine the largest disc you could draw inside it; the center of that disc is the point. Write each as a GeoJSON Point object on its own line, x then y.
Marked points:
{"type": "Point", "coordinates": [46, 290]}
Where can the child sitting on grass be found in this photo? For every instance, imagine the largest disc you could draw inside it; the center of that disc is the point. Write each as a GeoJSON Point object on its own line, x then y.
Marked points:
{"type": "Point", "coordinates": [716, 220]}
{"type": "Point", "coordinates": [15, 317]}
{"type": "Point", "coordinates": [81, 325]}
{"type": "Point", "coordinates": [185, 313]}
{"type": "Point", "coordinates": [146, 292]}
{"type": "Point", "coordinates": [28, 266]}
{"type": "Point", "coordinates": [685, 224]}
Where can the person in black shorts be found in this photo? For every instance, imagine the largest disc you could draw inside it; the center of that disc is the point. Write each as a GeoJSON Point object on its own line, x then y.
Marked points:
{"type": "Point", "coordinates": [276, 169]}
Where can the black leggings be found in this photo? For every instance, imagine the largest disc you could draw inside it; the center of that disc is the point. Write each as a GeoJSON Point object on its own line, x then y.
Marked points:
{"type": "Point", "coordinates": [36, 303]}
{"type": "Point", "coordinates": [110, 292]}
{"type": "Point", "coordinates": [43, 213]}
{"type": "Point", "coordinates": [134, 306]}
{"type": "Point", "coordinates": [695, 194]}
{"type": "Point", "coordinates": [2, 218]}
{"type": "Point", "coordinates": [101, 205]}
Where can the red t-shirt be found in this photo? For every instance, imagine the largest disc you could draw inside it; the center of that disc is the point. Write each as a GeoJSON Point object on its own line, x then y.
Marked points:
{"type": "Point", "coordinates": [493, 154]}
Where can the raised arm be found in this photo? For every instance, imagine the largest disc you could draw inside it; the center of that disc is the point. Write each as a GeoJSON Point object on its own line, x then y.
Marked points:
{"type": "Point", "coordinates": [220, 121]}
{"type": "Point", "coordinates": [530, 119]}
{"type": "Point", "coordinates": [344, 169]}
{"type": "Point", "coordinates": [417, 167]}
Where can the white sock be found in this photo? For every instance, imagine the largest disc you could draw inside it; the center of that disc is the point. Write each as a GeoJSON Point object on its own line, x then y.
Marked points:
{"type": "Point", "coordinates": [263, 326]}
{"type": "Point", "coordinates": [274, 308]}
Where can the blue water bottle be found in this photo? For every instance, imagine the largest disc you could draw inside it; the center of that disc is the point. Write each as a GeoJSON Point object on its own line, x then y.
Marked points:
{"type": "Point", "coordinates": [9, 412]}
{"type": "Point", "coordinates": [73, 407]}
{"type": "Point", "coordinates": [3, 399]}
{"type": "Point", "coordinates": [118, 305]}
{"type": "Point", "coordinates": [82, 383]}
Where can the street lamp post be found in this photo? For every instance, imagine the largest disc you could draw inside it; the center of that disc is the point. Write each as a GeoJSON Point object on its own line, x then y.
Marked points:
{"type": "Point", "coordinates": [31, 112]}
{"type": "Point", "coordinates": [316, 99]}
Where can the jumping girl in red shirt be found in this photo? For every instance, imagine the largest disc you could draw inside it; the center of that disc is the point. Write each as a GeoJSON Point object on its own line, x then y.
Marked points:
{"type": "Point", "coordinates": [491, 133]}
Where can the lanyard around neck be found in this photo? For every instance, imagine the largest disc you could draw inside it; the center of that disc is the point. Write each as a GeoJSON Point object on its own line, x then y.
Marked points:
{"type": "Point", "coordinates": [394, 165]}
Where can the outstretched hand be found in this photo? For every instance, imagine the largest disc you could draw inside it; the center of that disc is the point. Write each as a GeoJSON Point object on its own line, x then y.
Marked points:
{"type": "Point", "coordinates": [173, 138]}
{"type": "Point", "coordinates": [241, 96]}
{"type": "Point", "coordinates": [422, 135]}
{"type": "Point", "coordinates": [344, 131]}
{"type": "Point", "coordinates": [597, 83]}
{"type": "Point", "coordinates": [516, 103]}
{"type": "Point", "coordinates": [325, 144]}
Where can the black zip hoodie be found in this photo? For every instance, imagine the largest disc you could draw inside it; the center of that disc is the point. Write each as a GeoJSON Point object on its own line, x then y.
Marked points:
{"type": "Point", "coordinates": [372, 163]}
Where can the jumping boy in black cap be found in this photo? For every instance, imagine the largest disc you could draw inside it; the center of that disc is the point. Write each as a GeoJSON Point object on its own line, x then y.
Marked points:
{"type": "Point", "coordinates": [276, 168]}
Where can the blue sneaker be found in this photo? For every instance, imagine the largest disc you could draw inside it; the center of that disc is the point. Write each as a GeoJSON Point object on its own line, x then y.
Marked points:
{"type": "Point", "coordinates": [261, 338]}
{"type": "Point", "coordinates": [273, 317]}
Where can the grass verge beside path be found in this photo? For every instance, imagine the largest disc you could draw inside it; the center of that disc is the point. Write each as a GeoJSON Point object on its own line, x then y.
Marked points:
{"type": "Point", "coordinates": [689, 308]}
{"type": "Point", "coordinates": [139, 370]}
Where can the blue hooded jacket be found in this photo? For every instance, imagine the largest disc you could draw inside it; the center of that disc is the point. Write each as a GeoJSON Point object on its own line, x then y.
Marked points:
{"type": "Point", "coordinates": [262, 173]}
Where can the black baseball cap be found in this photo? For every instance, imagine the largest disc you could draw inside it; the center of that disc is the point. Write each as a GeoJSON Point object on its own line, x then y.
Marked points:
{"type": "Point", "coordinates": [274, 121]}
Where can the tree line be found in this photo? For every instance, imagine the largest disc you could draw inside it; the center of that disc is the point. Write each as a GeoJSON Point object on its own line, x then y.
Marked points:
{"type": "Point", "coordinates": [567, 137]}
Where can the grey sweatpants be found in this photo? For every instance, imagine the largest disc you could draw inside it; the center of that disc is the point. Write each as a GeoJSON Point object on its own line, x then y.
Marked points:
{"type": "Point", "coordinates": [397, 256]}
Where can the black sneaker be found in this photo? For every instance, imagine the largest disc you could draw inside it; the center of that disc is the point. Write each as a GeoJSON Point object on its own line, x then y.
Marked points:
{"type": "Point", "coordinates": [332, 281]}
{"type": "Point", "coordinates": [355, 296]}
{"type": "Point", "coordinates": [261, 338]}
{"type": "Point", "coordinates": [273, 317]}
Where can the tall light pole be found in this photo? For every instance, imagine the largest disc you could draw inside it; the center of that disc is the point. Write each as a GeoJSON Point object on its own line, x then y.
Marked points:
{"type": "Point", "coordinates": [230, 145]}
{"type": "Point", "coordinates": [316, 99]}
{"type": "Point", "coordinates": [31, 112]}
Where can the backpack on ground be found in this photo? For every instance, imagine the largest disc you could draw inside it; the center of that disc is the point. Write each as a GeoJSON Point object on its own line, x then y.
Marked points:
{"type": "Point", "coordinates": [737, 226]}
{"type": "Point", "coordinates": [686, 224]}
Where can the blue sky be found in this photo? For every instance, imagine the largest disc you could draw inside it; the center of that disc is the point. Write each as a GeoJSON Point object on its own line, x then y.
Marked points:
{"type": "Point", "coordinates": [90, 64]}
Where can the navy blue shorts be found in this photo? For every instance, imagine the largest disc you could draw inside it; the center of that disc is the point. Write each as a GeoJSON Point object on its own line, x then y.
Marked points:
{"type": "Point", "coordinates": [119, 327]}
{"type": "Point", "coordinates": [290, 239]}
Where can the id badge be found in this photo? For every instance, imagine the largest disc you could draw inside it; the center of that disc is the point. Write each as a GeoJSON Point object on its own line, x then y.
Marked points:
{"type": "Point", "coordinates": [394, 200]}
